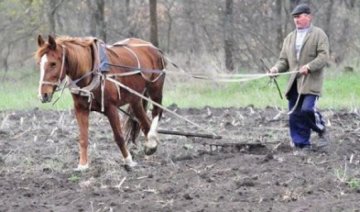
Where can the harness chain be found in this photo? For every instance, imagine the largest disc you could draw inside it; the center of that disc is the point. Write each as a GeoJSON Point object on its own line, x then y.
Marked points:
{"type": "Point", "coordinates": [155, 103]}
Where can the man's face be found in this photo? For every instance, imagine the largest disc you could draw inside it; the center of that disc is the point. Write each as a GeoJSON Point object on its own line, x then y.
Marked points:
{"type": "Point", "coordinates": [302, 20]}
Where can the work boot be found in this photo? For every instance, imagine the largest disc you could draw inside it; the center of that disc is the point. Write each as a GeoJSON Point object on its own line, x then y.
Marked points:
{"type": "Point", "coordinates": [303, 150]}
{"type": "Point", "coordinates": [323, 139]}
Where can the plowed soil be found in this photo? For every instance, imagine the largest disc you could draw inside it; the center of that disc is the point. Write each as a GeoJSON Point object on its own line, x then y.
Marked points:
{"type": "Point", "coordinates": [252, 168]}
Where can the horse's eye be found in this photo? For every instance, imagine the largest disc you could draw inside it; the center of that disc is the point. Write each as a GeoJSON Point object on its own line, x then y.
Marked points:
{"type": "Point", "coordinates": [52, 65]}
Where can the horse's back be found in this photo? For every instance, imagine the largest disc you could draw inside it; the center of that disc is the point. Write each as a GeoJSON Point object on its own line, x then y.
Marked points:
{"type": "Point", "coordinates": [148, 55]}
{"type": "Point", "coordinates": [132, 41]}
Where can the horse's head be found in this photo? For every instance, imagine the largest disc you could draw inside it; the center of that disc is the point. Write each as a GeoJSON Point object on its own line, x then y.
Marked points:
{"type": "Point", "coordinates": [51, 58]}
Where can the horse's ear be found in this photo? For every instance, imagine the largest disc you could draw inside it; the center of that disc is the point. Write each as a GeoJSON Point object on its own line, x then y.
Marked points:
{"type": "Point", "coordinates": [52, 43]}
{"type": "Point", "coordinates": [40, 41]}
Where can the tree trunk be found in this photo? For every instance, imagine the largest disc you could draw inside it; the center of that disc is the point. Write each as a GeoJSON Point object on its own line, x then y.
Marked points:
{"type": "Point", "coordinates": [229, 35]}
{"type": "Point", "coordinates": [189, 9]}
{"type": "Point", "coordinates": [153, 23]}
{"type": "Point", "coordinates": [279, 32]}
{"type": "Point", "coordinates": [128, 27]}
{"type": "Point", "coordinates": [170, 22]}
{"type": "Point", "coordinates": [53, 6]}
{"type": "Point", "coordinates": [328, 14]}
{"type": "Point", "coordinates": [100, 19]}
{"type": "Point", "coordinates": [51, 17]}
{"type": "Point", "coordinates": [92, 25]}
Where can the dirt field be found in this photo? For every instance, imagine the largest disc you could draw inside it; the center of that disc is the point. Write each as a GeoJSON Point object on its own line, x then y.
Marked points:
{"type": "Point", "coordinates": [38, 152]}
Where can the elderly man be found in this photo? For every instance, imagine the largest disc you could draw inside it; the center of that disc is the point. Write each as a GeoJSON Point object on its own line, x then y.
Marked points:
{"type": "Point", "coordinates": [306, 51]}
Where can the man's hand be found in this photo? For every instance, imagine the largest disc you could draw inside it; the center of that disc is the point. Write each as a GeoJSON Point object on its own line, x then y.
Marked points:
{"type": "Point", "coordinates": [304, 70]}
{"type": "Point", "coordinates": [273, 72]}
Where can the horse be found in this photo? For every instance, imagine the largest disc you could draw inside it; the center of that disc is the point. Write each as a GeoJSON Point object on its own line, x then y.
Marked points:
{"type": "Point", "coordinates": [94, 71]}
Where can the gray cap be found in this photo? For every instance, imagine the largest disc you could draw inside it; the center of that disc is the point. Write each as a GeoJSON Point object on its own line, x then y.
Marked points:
{"type": "Point", "coordinates": [301, 8]}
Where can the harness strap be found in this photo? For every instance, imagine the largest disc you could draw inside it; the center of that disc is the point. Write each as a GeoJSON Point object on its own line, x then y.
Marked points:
{"type": "Point", "coordinates": [157, 104]}
{"type": "Point", "coordinates": [141, 71]}
{"type": "Point", "coordinates": [135, 55]}
{"type": "Point", "coordinates": [84, 91]}
{"type": "Point", "coordinates": [58, 82]}
{"type": "Point", "coordinates": [100, 67]}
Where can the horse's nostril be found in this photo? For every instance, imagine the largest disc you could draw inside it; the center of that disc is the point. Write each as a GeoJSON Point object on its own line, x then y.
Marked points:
{"type": "Point", "coordinates": [45, 97]}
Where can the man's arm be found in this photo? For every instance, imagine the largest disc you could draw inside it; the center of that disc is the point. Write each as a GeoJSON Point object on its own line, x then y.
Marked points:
{"type": "Point", "coordinates": [282, 64]}
{"type": "Point", "coordinates": [322, 53]}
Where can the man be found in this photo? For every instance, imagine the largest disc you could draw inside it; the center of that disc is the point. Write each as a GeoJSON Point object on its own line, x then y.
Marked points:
{"type": "Point", "coordinates": [306, 51]}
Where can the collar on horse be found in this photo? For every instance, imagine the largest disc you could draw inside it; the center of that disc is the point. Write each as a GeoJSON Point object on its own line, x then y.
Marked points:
{"type": "Point", "coordinates": [100, 62]}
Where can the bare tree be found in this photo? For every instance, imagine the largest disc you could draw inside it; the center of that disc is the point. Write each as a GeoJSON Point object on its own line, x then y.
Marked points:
{"type": "Point", "coordinates": [97, 23]}
{"type": "Point", "coordinates": [328, 15]}
{"type": "Point", "coordinates": [279, 30]}
{"type": "Point", "coordinates": [169, 6]}
{"type": "Point", "coordinates": [127, 17]}
{"type": "Point", "coordinates": [243, 30]}
{"type": "Point", "coordinates": [92, 24]}
{"type": "Point", "coordinates": [53, 6]}
{"type": "Point", "coordinates": [229, 35]}
{"type": "Point", "coordinates": [153, 23]}
{"type": "Point", "coordinates": [100, 19]}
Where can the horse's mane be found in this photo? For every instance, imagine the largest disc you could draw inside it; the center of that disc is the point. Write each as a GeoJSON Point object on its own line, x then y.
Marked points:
{"type": "Point", "coordinates": [77, 51]}
{"type": "Point", "coordinates": [86, 41]}
{"type": "Point", "coordinates": [66, 41]}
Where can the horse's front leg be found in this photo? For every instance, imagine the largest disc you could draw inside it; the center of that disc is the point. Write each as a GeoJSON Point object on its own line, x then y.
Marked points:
{"type": "Point", "coordinates": [114, 119]}
{"type": "Point", "coordinates": [82, 117]}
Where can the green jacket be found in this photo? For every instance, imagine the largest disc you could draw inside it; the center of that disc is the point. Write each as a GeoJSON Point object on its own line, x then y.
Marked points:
{"type": "Point", "coordinates": [314, 53]}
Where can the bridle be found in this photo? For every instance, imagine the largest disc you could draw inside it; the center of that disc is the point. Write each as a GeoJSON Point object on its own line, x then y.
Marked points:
{"type": "Point", "coordinates": [58, 82]}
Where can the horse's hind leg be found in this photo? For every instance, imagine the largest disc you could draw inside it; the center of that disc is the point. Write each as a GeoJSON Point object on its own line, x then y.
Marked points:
{"type": "Point", "coordinates": [114, 119]}
{"type": "Point", "coordinates": [155, 93]}
{"type": "Point", "coordinates": [131, 126]}
{"type": "Point", "coordinates": [150, 145]}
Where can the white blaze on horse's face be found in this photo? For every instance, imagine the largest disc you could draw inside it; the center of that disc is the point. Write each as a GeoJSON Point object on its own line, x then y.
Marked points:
{"type": "Point", "coordinates": [43, 62]}
{"type": "Point", "coordinates": [46, 83]}
{"type": "Point", "coordinates": [50, 76]}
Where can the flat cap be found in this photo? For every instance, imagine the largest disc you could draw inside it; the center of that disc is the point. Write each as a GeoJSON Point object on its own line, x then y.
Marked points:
{"type": "Point", "coordinates": [301, 8]}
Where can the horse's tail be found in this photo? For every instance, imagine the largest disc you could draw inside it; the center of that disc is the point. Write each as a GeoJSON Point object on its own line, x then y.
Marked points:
{"type": "Point", "coordinates": [162, 60]}
{"type": "Point", "coordinates": [167, 61]}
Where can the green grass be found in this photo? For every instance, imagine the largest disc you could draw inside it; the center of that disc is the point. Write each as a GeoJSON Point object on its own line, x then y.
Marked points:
{"type": "Point", "coordinates": [340, 91]}
{"type": "Point", "coordinates": [18, 90]}
{"type": "Point", "coordinates": [354, 183]}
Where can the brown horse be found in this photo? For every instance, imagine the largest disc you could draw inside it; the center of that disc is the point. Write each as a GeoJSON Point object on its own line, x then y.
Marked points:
{"type": "Point", "coordinates": [87, 64]}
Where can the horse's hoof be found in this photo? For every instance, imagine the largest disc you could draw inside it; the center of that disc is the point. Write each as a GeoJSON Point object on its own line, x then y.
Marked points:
{"type": "Point", "coordinates": [149, 151]}
{"type": "Point", "coordinates": [151, 144]}
{"type": "Point", "coordinates": [81, 168]}
{"type": "Point", "coordinates": [131, 164]}
{"type": "Point", "coordinates": [129, 161]}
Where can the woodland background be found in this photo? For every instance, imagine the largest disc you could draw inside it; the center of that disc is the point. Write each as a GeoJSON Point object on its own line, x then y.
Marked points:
{"type": "Point", "coordinates": [233, 34]}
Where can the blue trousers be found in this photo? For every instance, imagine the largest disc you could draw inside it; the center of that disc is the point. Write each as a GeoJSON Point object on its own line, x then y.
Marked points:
{"type": "Point", "coordinates": [304, 118]}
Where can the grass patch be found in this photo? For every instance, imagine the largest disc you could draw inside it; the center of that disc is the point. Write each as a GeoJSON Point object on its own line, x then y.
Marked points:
{"type": "Point", "coordinates": [354, 183]}
{"type": "Point", "coordinates": [74, 178]}
{"type": "Point", "coordinates": [340, 91]}
{"type": "Point", "coordinates": [18, 91]}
